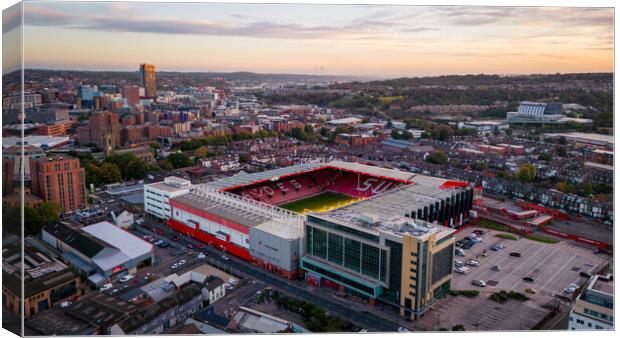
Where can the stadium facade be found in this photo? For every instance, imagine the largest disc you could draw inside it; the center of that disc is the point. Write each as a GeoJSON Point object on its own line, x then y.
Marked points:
{"type": "Point", "coordinates": [390, 239]}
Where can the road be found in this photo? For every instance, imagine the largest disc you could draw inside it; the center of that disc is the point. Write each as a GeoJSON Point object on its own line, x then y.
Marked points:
{"type": "Point", "coordinates": [241, 268]}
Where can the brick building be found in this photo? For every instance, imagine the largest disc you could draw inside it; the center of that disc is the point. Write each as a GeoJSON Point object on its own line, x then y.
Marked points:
{"type": "Point", "coordinates": [59, 179]}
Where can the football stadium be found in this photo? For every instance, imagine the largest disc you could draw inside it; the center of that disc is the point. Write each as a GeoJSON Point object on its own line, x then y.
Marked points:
{"type": "Point", "coordinates": [350, 226]}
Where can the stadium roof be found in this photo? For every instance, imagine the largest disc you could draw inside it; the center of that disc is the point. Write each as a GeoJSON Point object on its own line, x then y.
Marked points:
{"type": "Point", "coordinates": [236, 214]}
{"type": "Point", "coordinates": [384, 211]}
{"type": "Point", "coordinates": [244, 179]}
{"type": "Point", "coordinates": [241, 180]}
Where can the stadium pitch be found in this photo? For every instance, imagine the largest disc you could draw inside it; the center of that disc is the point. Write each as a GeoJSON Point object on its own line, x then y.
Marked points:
{"type": "Point", "coordinates": [318, 203]}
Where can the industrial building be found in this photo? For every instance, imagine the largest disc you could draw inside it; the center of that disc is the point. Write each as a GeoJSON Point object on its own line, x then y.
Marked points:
{"type": "Point", "coordinates": [101, 251]}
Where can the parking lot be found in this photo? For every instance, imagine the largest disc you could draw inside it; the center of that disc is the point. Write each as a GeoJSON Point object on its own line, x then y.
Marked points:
{"type": "Point", "coordinates": [553, 267]}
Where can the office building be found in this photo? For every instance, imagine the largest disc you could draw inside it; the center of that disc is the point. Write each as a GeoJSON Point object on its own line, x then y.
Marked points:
{"type": "Point", "coordinates": [147, 76]}
{"type": "Point", "coordinates": [594, 308]}
{"type": "Point", "coordinates": [86, 95]}
{"type": "Point", "coordinates": [157, 196]}
{"type": "Point", "coordinates": [389, 247]}
{"type": "Point", "coordinates": [59, 179]}
{"type": "Point", "coordinates": [131, 94]}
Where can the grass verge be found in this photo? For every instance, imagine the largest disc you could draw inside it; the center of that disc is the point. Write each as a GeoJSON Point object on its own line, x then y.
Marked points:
{"type": "Point", "coordinates": [507, 236]}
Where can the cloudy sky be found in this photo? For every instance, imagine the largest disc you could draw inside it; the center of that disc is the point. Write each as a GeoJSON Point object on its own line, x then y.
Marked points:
{"type": "Point", "coordinates": [318, 39]}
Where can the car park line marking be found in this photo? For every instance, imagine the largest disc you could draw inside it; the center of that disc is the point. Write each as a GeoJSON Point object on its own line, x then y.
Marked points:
{"type": "Point", "coordinates": [542, 261]}
{"type": "Point", "coordinates": [516, 269]}
{"type": "Point", "coordinates": [559, 270]}
{"type": "Point", "coordinates": [502, 260]}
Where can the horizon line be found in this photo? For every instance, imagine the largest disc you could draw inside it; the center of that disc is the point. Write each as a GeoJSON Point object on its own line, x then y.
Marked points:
{"type": "Point", "coordinates": [384, 77]}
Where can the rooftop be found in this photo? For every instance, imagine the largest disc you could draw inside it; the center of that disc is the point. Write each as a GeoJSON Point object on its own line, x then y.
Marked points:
{"type": "Point", "coordinates": [388, 212]}
{"type": "Point", "coordinates": [599, 166]}
{"type": "Point", "coordinates": [128, 243]}
{"type": "Point", "coordinates": [41, 272]}
{"type": "Point", "coordinates": [602, 284]}
{"type": "Point", "coordinates": [585, 136]}
{"type": "Point", "coordinates": [101, 309]}
{"type": "Point", "coordinates": [35, 140]}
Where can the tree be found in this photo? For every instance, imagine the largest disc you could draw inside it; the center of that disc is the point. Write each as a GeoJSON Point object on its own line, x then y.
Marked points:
{"type": "Point", "coordinates": [243, 158]}
{"type": "Point", "coordinates": [544, 157]}
{"type": "Point", "coordinates": [155, 145]}
{"type": "Point", "coordinates": [137, 169]}
{"type": "Point", "coordinates": [201, 152]}
{"type": "Point", "coordinates": [585, 189]}
{"type": "Point", "coordinates": [443, 132]}
{"type": "Point", "coordinates": [109, 173]}
{"type": "Point", "coordinates": [121, 161]}
{"type": "Point", "coordinates": [479, 166]}
{"type": "Point", "coordinates": [46, 213]}
{"type": "Point", "coordinates": [459, 327]}
{"type": "Point", "coordinates": [438, 157]}
{"type": "Point", "coordinates": [561, 151]}
{"type": "Point", "coordinates": [166, 165]}
{"type": "Point", "coordinates": [179, 160]}
{"type": "Point", "coordinates": [526, 173]}
{"type": "Point", "coordinates": [508, 131]}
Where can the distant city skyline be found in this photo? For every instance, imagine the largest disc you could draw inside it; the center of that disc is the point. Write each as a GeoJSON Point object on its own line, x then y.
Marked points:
{"type": "Point", "coordinates": [348, 40]}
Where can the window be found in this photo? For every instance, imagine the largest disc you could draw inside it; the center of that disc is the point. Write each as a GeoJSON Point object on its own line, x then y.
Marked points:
{"type": "Point", "coordinates": [598, 327]}
{"type": "Point", "coordinates": [579, 321]}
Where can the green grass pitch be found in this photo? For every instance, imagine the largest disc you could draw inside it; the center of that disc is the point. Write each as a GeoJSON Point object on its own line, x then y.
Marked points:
{"type": "Point", "coordinates": [320, 202]}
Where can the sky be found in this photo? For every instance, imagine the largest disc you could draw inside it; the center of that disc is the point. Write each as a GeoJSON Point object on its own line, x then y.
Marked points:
{"type": "Point", "coordinates": [358, 40]}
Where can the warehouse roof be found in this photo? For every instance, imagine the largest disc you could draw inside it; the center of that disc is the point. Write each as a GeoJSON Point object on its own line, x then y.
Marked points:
{"type": "Point", "coordinates": [87, 245]}
{"type": "Point", "coordinates": [129, 244]}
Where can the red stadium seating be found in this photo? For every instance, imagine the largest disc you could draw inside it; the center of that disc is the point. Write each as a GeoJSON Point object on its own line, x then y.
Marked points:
{"type": "Point", "coordinates": [309, 184]}
{"type": "Point", "coordinates": [356, 185]}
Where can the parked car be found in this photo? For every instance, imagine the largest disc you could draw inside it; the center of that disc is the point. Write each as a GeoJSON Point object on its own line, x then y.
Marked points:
{"type": "Point", "coordinates": [458, 263]}
{"type": "Point", "coordinates": [462, 270]}
{"type": "Point", "coordinates": [473, 262]}
{"type": "Point", "coordinates": [164, 244]}
{"type": "Point", "coordinates": [182, 262]}
{"type": "Point", "coordinates": [531, 290]}
{"type": "Point", "coordinates": [224, 257]}
{"type": "Point", "coordinates": [496, 268]}
{"type": "Point", "coordinates": [105, 287]}
{"type": "Point", "coordinates": [126, 278]}
{"type": "Point", "coordinates": [478, 282]}
{"type": "Point", "coordinates": [585, 274]}
{"type": "Point", "coordinates": [529, 279]}
{"type": "Point", "coordinates": [190, 246]}
{"type": "Point", "coordinates": [174, 266]}
{"type": "Point", "coordinates": [201, 256]}
{"type": "Point", "coordinates": [159, 242]}
{"type": "Point", "coordinates": [460, 252]}
{"type": "Point", "coordinates": [515, 254]}
{"type": "Point", "coordinates": [570, 290]}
